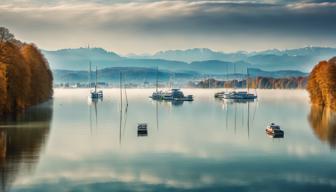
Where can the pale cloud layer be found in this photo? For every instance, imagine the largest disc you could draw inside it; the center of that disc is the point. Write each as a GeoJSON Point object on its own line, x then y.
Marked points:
{"type": "Point", "coordinates": [150, 26]}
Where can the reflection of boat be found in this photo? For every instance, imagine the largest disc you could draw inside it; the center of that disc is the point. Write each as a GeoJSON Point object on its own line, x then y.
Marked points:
{"type": "Point", "coordinates": [275, 135]}
{"type": "Point", "coordinates": [177, 102]}
{"type": "Point", "coordinates": [231, 101]}
{"type": "Point", "coordinates": [142, 129]}
{"type": "Point", "coordinates": [95, 100]}
{"type": "Point", "coordinates": [274, 130]}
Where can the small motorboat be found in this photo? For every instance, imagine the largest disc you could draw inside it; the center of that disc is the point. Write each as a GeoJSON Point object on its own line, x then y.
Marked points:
{"type": "Point", "coordinates": [239, 95]}
{"type": "Point", "coordinates": [185, 98]}
{"type": "Point", "coordinates": [96, 94]}
{"type": "Point", "coordinates": [274, 130]}
{"type": "Point", "coordinates": [220, 95]}
{"type": "Point", "coordinates": [142, 129]}
{"type": "Point", "coordinates": [177, 95]}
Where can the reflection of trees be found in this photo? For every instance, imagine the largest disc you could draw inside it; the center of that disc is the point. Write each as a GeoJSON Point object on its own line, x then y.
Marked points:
{"type": "Point", "coordinates": [21, 140]}
{"type": "Point", "coordinates": [323, 122]}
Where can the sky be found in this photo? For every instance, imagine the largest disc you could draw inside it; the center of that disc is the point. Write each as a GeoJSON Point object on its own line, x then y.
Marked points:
{"type": "Point", "coordinates": [148, 26]}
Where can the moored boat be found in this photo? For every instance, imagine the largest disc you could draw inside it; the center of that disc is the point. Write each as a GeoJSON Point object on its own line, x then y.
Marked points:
{"type": "Point", "coordinates": [274, 130]}
{"type": "Point", "coordinates": [239, 95]}
{"type": "Point", "coordinates": [177, 95]}
{"type": "Point", "coordinates": [142, 129]}
{"type": "Point", "coordinates": [220, 95]}
{"type": "Point", "coordinates": [94, 94]}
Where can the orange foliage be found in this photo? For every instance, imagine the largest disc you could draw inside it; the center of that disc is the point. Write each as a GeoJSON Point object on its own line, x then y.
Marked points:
{"type": "Point", "coordinates": [259, 82]}
{"type": "Point", "coordinates": [25, 78]}
{"type": "Point", "coordinates": [322, 84]}
{"type": "Point", "coordinates": [323, 122]}
{"type": "Point", "coordinates": [41, 76]}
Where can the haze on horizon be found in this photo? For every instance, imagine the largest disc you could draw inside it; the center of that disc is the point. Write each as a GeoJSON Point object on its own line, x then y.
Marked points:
{"type": "Point", "coordinates": [149, 26]}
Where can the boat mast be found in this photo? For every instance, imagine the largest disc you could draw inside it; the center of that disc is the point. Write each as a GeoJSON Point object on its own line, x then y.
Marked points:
{"type": "Point", "coordinates": [209, 81]}
{"type": "Point", "coordinates": [120, 85]}
{"type": "Point", "coordinates": [234, 74]}
{"type": "Point", "coordinates": [157, 76]}
{"type": "Point", "coordinates": [90, 74]}
{"type": "Point", "coordinates": [227, 76]}
{"type": "Point", "coordinates": [96, 79]}
{"type": "Point", "coordinates": [247, 80]}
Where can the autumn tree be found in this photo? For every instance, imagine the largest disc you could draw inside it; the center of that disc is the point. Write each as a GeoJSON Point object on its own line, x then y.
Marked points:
{"type": "Point", "coordinates": [5, 35]}
{"type": "Point", "coordinates": [322, 84]}
{"type": "Point", "coordinates": [25, 77]}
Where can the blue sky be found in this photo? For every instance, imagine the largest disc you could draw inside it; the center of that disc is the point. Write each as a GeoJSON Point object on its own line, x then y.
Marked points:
{"type": "Point", "coordinates": [147, 26]}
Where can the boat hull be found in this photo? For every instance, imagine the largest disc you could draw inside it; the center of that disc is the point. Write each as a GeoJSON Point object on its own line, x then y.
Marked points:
{"type": "Point", "coordinates": [275, 133]}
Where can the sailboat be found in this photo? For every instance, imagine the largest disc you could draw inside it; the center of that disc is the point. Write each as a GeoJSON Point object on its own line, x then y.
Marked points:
{"type": "Point", "coordinates": [95, 94]}
{"type": "Point", "coordinates": [157, 95]}
{"type": "Point", "coordinates": [241, 95]}
{"type": "Point", "coordinates": [220, 95]}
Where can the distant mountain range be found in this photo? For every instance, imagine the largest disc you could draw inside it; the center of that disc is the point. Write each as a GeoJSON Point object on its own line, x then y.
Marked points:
{"type": "Point", "coordinates": [294, 59]}
{"type": "Point", "coordinates": [199, 60]}
{"type": "Point", "coordinates": [137, 74]}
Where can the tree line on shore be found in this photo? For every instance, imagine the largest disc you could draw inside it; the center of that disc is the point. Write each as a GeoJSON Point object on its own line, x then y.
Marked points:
{"type": "Point", "coordinates": [25, 76]}
{"type": "Point", "coordinates": [258, 82]}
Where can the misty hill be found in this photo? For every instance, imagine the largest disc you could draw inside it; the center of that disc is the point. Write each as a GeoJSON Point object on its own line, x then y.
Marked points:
{"type": "Point", "coordinates": [137, 74]}
{"type": "Point", "coordinates": [78, 59]}
{"type": "Point", "coordinates": [294, 59]}
{"type": "Point", "coordinates": [197, 60]}
{"type": "Point", "coordinates": [198, 54]}
{"type": "Point", "coordinates": [253, 72]}
{"type": "Point", "coordinates": [129, 74]}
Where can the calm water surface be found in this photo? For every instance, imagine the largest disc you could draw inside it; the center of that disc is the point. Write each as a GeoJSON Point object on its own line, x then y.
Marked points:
{"type": "Point", "coordinates": [71, 144]}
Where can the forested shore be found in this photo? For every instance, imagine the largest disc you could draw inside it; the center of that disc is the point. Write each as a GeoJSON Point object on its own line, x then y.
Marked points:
{"type": "Point", "coordinates": [25, 76]}
{"type": "Point", "coordinates": [258, 82]}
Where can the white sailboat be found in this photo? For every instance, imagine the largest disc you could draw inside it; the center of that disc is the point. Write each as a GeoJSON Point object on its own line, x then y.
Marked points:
{"type": "Point", "coordinates": [95, 94]}
{"type": "Point", "coordinates": [241, 95]}
{"type": "Point", "coordinates": [157, 95]}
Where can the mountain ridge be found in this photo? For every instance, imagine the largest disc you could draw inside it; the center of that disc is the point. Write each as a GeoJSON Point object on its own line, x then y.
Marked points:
{"type": "Point", "coordinates": [301, 59]}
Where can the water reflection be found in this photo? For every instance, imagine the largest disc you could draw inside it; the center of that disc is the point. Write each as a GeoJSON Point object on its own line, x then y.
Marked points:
{"type": "Point", "coordinates": [323, 122]}
{"type": "Point", "coordinates": [173, 103]}
{"type": "Point", "coordinates": [239, 112]}
{"type": "Point", "coordinates": [177, 103]}
{"type": "Point", "coordinates": [93, 108]}
{"type": "Point", "coordinates": [201, 146]}
{"type": "Point", "coordinates": [21, 141]}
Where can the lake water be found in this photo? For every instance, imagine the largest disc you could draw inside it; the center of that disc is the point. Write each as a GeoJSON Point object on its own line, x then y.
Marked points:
{"type": "Point", "coordinates": [70, 144]}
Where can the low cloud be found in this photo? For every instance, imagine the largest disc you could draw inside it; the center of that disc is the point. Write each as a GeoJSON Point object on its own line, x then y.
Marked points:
{"type": "Point", "coordinates": [134, 23]}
